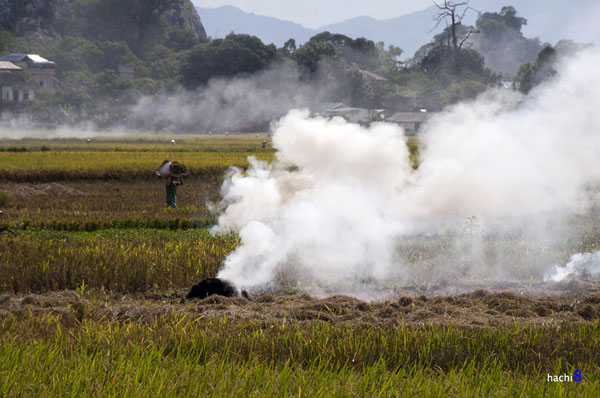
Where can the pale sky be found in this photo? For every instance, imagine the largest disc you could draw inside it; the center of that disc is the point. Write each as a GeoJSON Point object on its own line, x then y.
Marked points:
{"type": "Point", "coordinates": [317, 13]}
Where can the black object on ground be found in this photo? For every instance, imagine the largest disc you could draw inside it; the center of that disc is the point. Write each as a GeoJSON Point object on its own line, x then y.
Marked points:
{"type": "Point", "coordinates": [211, 286]}
{"type": "Point", "coordinates": [4, 229]}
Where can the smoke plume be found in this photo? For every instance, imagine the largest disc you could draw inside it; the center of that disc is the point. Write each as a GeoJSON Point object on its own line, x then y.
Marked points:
{"type": "Point", "coordinates": [236, 103]}
{"type": "Point", "coordinates": [500, 182]}
{"type": "Point", "coordinates": [580, 264]}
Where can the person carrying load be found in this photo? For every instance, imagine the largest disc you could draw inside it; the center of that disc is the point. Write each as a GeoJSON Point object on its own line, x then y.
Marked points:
{"type": "Point", "coordinates": [174, 172]}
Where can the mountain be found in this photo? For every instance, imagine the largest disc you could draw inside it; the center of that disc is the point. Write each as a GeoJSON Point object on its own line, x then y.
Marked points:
{"type": "Point", "coordinates": [408, 31]}
{"type": "Point", "coordinates": [415, 27]}
{"type": "Point", "coordinates": [550, 20]}
{"type": "Point", "coordinates": [221, 21]}
{"type": "Point", "coordinates": [54, 18]}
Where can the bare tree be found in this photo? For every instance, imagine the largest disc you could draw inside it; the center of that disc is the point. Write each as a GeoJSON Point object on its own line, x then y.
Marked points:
{"type": "Point", "coordinates": [452, 15]}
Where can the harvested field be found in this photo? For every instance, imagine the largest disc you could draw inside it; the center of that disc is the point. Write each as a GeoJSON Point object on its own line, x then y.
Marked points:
{"type": "Point", "coordinates": [82, 206]}
{"type": "Point", "coordinates": [43, 189]}
{"type": "Point", "coordinates": [91, 296]}
{"type": "Point", "coordinates": [478, 309]}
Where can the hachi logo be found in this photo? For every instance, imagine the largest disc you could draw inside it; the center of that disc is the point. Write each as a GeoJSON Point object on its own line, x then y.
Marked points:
{"type": "Point", "coordinates": [563, 378]}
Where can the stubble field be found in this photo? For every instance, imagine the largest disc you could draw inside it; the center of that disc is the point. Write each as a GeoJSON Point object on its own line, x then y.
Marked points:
{"type": "Point", "coordinates": [92, 287]}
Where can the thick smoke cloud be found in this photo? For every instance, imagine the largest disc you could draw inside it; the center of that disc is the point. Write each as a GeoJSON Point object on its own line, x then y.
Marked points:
{"type": "Point", "coordinates": [500, 180]}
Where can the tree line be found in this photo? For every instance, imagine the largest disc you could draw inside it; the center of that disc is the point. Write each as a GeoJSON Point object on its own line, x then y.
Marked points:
{"type": "Point", "coordinates": [99, 36]}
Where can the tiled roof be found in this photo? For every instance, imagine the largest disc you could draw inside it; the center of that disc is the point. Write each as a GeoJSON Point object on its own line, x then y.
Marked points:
{"type": "Point", "coordinates": [408, 117]}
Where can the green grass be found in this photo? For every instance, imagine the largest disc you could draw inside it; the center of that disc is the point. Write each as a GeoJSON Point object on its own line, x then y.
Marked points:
{"type": "Point", "coordinates": [180, 356]}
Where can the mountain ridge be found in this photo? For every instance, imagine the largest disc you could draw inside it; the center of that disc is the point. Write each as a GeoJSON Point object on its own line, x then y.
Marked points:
{"type": "Point", "coordinates": [417, 27]}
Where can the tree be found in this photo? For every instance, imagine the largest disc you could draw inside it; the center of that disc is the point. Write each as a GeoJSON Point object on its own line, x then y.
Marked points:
{"type": "Point", "coordinates": [360, 50]}
{"type": "Point", "coordinates": [452, 15]}
{"type": "Point", "coordinates": [311, 53]}
{"type": "Point", "coordinates": [510, 18]}
{"type": "Point", "coordinates": [180, 40]}
{"type": "Point", "coordinates": [493, 24]}
{"type": "Point", "coordinates": [235, 54]}
{"type": "Point", "coordinates": [441, 61]}
{"type": "Point", "coordinates": [6, 38]}
{"type": "Point", "coordinates": [289, 47]}
{"type": "Point", "coordinates": [530, 75]}
{"type": "Point", "coordinates": [502, 43]}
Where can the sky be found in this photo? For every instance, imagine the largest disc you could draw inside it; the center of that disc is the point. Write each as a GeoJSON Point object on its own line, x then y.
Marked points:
{"type": "Point", "coordinates": [317, 13]}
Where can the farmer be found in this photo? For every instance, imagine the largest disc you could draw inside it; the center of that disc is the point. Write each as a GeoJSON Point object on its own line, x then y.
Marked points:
{"type": "Point", "coordinates": [172, 183]}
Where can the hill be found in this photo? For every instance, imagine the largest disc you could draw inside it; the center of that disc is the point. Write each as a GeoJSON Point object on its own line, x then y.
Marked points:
{"type": "Point", "coordinates": [56, 18]}
{"type": "Point", "coordinates": [220, 21]}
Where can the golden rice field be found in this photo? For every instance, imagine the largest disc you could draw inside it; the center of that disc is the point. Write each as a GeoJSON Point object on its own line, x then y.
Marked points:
{"type": "Point", "coordinates": [91, 295]}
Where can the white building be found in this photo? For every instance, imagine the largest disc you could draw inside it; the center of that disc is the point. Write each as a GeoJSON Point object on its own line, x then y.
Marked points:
{"type": "Point", "coordinates": [21, 75]}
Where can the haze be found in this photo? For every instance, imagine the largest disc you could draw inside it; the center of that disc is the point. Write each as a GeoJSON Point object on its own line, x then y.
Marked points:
{"type": "Point", "coordinates": [317, 13]}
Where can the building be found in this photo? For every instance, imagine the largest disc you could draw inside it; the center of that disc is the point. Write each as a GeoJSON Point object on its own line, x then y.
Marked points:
{"type": "Point", "coordinates": [353, 115]}
{"type": "Point", "coordinates": [372, 75]}
{"type": "Point", "coordinates": [21, 75]}
{"type": "Point", "coordinates": [126, 72]}
{"type": "Point", "coordinates": [410, 121]}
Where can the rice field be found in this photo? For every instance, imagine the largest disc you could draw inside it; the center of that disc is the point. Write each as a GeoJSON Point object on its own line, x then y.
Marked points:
{"type": "Point", "coordinates": [106, 159]}
{"type": "Point", "coordinates": [91, 295]}
{"type": "Point", "coordinates": [184, 356]}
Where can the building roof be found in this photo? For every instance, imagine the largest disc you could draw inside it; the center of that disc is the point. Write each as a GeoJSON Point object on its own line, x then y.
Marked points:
{"type": "Point", "coordinates": [344, 109]}
{"type": "Point", "coordinates": [408, 117]}
{"type": "Point", "coordinates": [506, 85]}
{"type": "Point", "coordinates": [373, 76]}
{"type": "Point", "coordinates": [5, 65]}
{"type": "Point", "coordinates": [325, 106]}
{"type": "Point", "coordinates": [31, 59]}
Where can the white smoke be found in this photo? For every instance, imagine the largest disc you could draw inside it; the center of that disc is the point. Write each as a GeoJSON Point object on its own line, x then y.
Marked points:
{"type": "Point", "coordinates": [341, 206]}
{"type": "Point", "coordinates": [23, 131]}
{"type": "Point", "coordinates": [231, 103]}
{"type": "Point", "coordinates": [581, 264]}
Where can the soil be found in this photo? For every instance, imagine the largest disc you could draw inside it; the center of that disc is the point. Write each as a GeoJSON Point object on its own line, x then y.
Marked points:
{"type": "Point", "coordinates": [572, 302]}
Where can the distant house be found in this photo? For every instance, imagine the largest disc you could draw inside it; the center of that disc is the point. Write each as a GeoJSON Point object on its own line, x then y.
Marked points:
{"type": "Point", "coordinates": [21, 75]}
{"type": "Point", "coordinates": [126, 72]}
{"type": "Point", "coordinates": [318, 108]}
{"type": "Point", "coordinates": [353, 115]}
{"type": "Point", "coordinates": [409, 121]}
{"type": "Point", "coordinates": [373, 76]}
{"type": "Point", "coordinates": [506, 85]}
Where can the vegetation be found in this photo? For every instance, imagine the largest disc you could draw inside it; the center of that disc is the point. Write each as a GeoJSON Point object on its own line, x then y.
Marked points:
{"type": "Point", "coordinates": [97, 37]}
{"type": "Point", "coordinates": [115, 260]}
{"type": "Point", "coordinates": [109, 159]}
{"type": "Point", "coordinates": [233, 55]}
{"type": "Point", "coordinates": [113, 165]}
{"type": "Point", "coordinates": [126, 261]}
{"type": "Point", "coordinates": [178, 355]}
{"type": "Point", "coordinates": [500, 40]}
{"type": "Point", "coordinates": [531, 75]}
{"type": "Point", "coordinates": [90, 40]}
{"type": "Point", "coordinates": [91, 285]}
